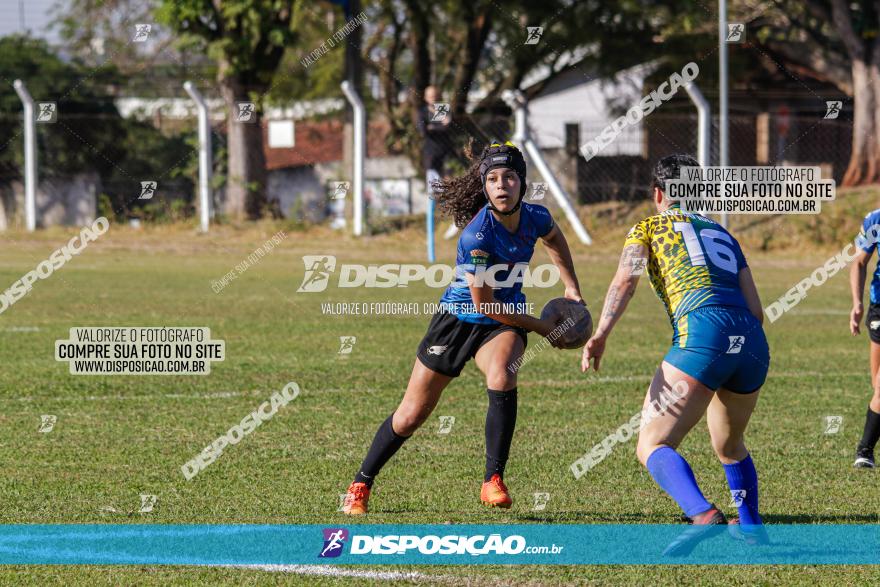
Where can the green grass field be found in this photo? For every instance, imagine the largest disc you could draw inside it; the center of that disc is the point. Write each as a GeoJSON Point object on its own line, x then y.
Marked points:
{"type": "Point", "coordinates": [117, 437]}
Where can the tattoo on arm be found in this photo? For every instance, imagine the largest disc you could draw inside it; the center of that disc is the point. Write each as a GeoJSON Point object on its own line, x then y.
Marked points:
{"type": "Point", "coordinates": [622, 288]}
{"type": "Point", "coordinates": [634, 258]}
{"type": "Point", "coordinates": [611, 304]}
{"type": "Point", "coordinates": [617, 297]}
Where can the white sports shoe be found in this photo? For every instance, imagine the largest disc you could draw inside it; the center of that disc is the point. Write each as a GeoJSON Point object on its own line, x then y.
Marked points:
{"type": "Point", "coordinates": [864, 459]}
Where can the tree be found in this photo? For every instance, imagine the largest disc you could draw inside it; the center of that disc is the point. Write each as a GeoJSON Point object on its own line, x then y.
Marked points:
{"type": "Point", "coordinates": [247, 39]}
{"type": "Point", "coordinates": [74, 143]}
{"type": "Point", "coordinates": [469, 47]}
{"type": "Point", "coordinates": [89, 135]}
{"type": "Point", "coordinates": [101, 33]}
{"type": "Point", "coordinates": [837, 41]}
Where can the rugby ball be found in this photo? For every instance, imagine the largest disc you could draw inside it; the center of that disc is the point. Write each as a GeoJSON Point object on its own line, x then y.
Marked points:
{"type": "Point", "coordinates": [574, 322]}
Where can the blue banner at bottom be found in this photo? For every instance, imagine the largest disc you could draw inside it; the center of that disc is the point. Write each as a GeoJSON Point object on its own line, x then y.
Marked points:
{"type": "Point", "coordinates": [598, 544]}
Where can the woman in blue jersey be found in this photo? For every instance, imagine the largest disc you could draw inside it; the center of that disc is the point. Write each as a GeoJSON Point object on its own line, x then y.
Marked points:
{"type": "Point", "coordinates": [477, 320]}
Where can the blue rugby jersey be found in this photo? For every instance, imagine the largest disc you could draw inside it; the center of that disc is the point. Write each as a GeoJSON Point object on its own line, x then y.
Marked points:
{"type": "Point", "coordinates": [485, 243]}
{"type": "Point", "coordinates": [869, 245]}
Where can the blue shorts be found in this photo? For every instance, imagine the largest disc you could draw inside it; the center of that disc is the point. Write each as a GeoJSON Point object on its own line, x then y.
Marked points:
{"type": "Point", "coordinates": [721, 346]}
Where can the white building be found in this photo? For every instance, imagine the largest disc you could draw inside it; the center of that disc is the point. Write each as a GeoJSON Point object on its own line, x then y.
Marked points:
{"type": "Point", "coordinates": [590, 103]}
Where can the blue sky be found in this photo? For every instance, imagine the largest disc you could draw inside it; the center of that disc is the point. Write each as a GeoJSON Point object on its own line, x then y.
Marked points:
{"type": "Point", "coordinates": [37, 15]}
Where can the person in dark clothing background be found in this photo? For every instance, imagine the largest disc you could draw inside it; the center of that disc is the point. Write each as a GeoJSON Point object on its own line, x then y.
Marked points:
{"type": "Point", "coordinates": [433, 126]}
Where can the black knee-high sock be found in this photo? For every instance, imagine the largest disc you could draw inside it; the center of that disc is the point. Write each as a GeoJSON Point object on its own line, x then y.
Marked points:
{"type": "Point", "coordinates": [385, 444]}
{"type": "Point", "coordinates": [500, 422]}
{"type": "Point", "coordinates": [872, 430]}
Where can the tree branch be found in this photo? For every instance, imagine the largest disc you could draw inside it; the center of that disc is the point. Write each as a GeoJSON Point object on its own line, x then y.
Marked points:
{"type": "Point", "coordinates": [814, 33]}
{"type": "Point", "coordinates": [817, 61]}
{"type": "Point", "coordinates": [842, 20]}
{"type": "Point", "coordinates": [479, 26]}
{"type": "Point", "coordinates": [817, 9]}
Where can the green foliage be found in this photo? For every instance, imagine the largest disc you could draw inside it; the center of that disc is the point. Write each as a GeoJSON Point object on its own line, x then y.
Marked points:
{"type": "Point", "coordinates": [166, 211]}
{"type": "Point", "coordinates": [100, 31]}
{"type": "Point", "coordinates": [146, 154]}
{"type": "Point", "coordinates": [105, 208]}
{"type": "Point", "coordinates": [595, 39]}
{"type": "Point", "coordinates": [295, 220]}
{"type": "Point", "coordinates": [247, 37]}
{"type": "Point", "coordinates": [88, 124]}
{"type": "Point", "coordinates": [90, 135]}
{"type": "Point", "coordinates": [394, 224]}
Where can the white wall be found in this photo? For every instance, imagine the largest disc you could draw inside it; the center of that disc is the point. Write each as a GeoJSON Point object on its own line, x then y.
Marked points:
{"type": "Point", "coordinates": [575, 98]}
{"type": "Point", "coordinates": [308, 184]}
{"type": "Point", "coordinates": [68, 200]}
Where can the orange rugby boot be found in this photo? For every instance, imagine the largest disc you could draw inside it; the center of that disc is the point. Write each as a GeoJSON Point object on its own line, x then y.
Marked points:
{"type": "Point", "coordinates": [356, 499]}
{"type": "Point", "coordinates": [494, 493]}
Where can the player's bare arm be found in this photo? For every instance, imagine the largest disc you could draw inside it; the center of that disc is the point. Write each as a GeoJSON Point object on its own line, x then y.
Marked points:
{"type": "Point", "coordinates": [484, 299]}
{"type": "Point", "coordinates": [857, 272]}
{"type": "Point", "coordinates": [560, 254]}
{"type": "Point", "coordinates": [750, 292]}
{"type": "Point", "coordinates": [622, 288]}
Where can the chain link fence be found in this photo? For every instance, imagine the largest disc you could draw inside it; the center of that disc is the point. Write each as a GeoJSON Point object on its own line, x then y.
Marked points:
{"type": "Point", "coordinates": [304, 178]}
{"type": "Point", "coordinates": [96, 164]}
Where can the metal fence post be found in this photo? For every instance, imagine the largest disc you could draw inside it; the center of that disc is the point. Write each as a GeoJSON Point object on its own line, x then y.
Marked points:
{"type": "Point", "coordinates": [30, 155]}
{"type": "Point", "coordinates": [517, 101]}
{"type": "Point", "coordinates": [359, 147]}
{"type": "Point", "coordinates": [704, 131]}
{"type": "Point", "coordinates": [205, 159]}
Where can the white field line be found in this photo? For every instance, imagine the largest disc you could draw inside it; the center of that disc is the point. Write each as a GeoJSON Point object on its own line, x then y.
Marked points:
{"type": "Point", "coordinates": [331, 571]}
{"type": "Point", "coordinates": [215, 395]}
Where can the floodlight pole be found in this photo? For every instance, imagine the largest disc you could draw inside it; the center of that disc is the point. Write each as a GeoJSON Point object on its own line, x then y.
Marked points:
{"type": "Point", "coordinates": [205, 158]}
{"type": "Point", "coordinates": [518, 103]}
{"type": "Point", "coordinates": [722, 91]}
{"type": "Point", "coordinates": [30, 155]}
{"type": "Point", "coordinates": [357, 106]}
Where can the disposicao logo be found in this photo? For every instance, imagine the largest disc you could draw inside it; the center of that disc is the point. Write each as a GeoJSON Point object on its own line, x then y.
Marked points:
{"type": "Point", "coordinates": [319, 268]}
{"type": "Point", "coordinates": [334, 540]}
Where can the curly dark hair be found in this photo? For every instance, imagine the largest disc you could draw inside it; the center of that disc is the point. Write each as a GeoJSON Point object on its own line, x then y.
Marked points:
{"type": "Point", "coordinates": [462, 197]}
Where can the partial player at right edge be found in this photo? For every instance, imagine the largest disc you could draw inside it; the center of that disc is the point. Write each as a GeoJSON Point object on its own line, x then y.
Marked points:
{"type": "Point", "coordinates": [857, 274]}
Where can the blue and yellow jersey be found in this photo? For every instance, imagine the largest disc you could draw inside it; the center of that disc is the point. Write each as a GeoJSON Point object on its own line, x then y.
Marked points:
{"type": "Point", "coordinates": [692, 262]}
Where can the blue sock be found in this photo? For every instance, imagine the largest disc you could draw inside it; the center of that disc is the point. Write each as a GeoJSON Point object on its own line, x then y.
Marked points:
{"type": "Point", "coordinates": [743, 476]}
{"type": "Point", "coordinates": [673, 474]}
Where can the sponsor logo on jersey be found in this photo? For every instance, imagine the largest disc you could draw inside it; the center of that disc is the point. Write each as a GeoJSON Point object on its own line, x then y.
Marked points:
{"type": "Point", "coordinates": [437, 349]}
{"type": "Point", "coordinates": [479, 257]}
